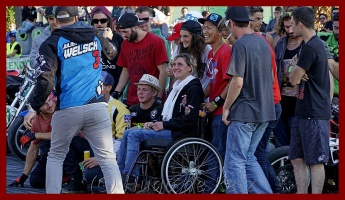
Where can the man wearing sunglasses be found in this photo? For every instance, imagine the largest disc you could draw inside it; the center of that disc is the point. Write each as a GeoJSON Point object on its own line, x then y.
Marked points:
{"type": "Point", "coordinates": [101, 20]}
{"type": "Point", "coordinates": [142, 53]}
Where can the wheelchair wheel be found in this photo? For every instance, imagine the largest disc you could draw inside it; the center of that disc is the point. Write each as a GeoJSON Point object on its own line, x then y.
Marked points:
{"type": "Point", "coordinates": [191, 165]}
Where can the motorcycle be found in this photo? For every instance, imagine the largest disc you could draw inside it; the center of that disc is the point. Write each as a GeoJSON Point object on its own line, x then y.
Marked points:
{"type": "Point", "coordinates": [16, 111]}
{"type": "Point", "coordinates": [278, 158]}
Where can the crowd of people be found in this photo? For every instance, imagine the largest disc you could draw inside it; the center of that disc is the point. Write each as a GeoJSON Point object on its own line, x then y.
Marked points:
{"type": "Point", "coordinates": [107, 86]}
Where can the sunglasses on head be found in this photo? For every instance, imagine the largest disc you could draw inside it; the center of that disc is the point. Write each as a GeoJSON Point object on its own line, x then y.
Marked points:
{"type": "Point", "coordinates": [104, 20]}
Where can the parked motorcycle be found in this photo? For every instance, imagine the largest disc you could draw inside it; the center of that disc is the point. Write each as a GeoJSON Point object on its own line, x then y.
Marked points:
{"type": "Point", "coordinates": [16, 111]}
{"type": "Point", "coordinates": [278, 158]}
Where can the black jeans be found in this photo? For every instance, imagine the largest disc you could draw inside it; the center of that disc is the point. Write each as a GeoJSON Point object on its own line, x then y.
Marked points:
{"type": "Point", "coordinates": [74, 156]}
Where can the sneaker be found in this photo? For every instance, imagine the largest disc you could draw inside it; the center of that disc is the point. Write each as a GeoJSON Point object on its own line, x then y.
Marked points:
{"type": "Point", "coordinates": [75, 187]}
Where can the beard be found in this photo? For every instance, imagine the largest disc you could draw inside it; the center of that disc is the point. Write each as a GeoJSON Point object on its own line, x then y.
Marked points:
{"type": "Point", "coordinates": [133, 36]}
{"type": "Point", "coordinates": [336, 36]}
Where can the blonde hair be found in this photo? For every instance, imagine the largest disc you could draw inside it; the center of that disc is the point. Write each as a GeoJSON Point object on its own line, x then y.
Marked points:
{"type": "Point", "coordinates": [190, 60]}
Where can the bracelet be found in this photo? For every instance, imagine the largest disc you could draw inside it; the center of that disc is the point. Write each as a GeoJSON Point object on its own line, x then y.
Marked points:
{"type": "Point", "coordinates": [290, 68]}
{"type": "Point", "coordinates": [214, 104]}
{"type": "Point", "coordinates": [219, 100]}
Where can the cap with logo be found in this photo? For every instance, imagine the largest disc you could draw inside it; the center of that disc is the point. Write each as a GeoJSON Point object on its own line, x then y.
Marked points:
{"type": "Point", "coordinates": [150, 80]}
{"type": "Point", "coordinates": [175, 32]}
{"type": "Point", "coordinates": [50, 11]}
{"type": "Point", "coordinates": [71, 11]}
{"type": "Point", "coordinates": [192, 26]}
{"type": "Point", "coordinates": [129, 20]}
{"type": "Point", "coordinates": [238, 13]}
{"type": "Point", "coordinates": [107, 78]}
{"type": "Point", "coordinates": [213, 18]}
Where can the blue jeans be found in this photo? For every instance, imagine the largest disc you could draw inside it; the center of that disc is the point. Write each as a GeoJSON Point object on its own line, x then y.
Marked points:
{"type": "Point", "coordinates": [130, 145]}
{"type": "Point", "coordinates": [261, 156]}
{"type": "Point", "coordinates": [26, 26]}
{"type": "Point", "coordinates": [219, 134]}
{"type": "Point", "coordinates": [243, 173]}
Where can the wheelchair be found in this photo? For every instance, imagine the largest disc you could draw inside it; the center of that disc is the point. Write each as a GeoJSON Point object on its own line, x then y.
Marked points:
{"type": "Point", "coordinates": [189, 165]}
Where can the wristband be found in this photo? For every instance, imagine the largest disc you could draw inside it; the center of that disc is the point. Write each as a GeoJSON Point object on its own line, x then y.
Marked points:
{"type": "Point", "coordinates": [290, 68]}
{"type": "Point", "coordinates": [214, 104]}
{"type": "Point", "coordinates": [219, 100]}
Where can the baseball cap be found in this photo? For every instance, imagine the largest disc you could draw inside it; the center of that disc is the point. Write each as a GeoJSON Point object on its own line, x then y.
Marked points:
{"type": "Point", "coordinates": [213, 18]}
{"type": "Point", "coordinates": [50, 11]}
{"type": "Point", "coordinates": [12, 35]}
{"type": "Point", "coordinates": [129, 20]}
{"type": "Point", "coordinates": [192, 26]}
{"type": "Point", "coordinates": [150, 80]}
{"type": "Point", "coordinates": [238, 13]}
{"type": "Point", "coordinates": [107, 78]}
{"type": "Point", "coordinates": [175, 32]}
{"type": "Point", "coordinates": [72, 11]}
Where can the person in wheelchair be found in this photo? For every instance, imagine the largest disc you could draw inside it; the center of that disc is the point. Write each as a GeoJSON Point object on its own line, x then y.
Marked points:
{"type": "Point", "coordinates": [179, 116]}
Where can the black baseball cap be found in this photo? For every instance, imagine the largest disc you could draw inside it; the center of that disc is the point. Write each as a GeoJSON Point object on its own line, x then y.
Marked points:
{"type": "Point", "coordinates": [238, 13]}
{"type": "Point", "coordinates": [129, 20]}
{"type": "Point", "coordinates": [50, 11]}
{"type": "Point", "coordinates": [192, 26]}
{"type": "Point", "coordinates": [72, 11]}
{"type": "Point", "coordinates": [213, 18]}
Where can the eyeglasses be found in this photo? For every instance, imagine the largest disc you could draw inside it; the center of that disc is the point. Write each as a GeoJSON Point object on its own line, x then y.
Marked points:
{"type": "Point", "coordinates": [103, 20]}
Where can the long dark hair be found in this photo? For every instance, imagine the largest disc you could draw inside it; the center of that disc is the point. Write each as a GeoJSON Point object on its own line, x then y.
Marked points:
{"type": "Point", "coordinates": [196, 49]}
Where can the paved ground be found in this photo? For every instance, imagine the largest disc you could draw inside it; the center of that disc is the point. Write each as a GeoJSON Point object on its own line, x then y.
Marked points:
{"type": "Point", "coordinates": [14, 168]}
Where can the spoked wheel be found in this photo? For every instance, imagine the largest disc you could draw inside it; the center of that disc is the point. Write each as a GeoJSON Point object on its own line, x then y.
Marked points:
{"type": "Point", "coordinates": [284, 170]}
{"type": "Point", "coordinates": [15, 132]}
{"type": "Point", "coordinates": [192, 165]}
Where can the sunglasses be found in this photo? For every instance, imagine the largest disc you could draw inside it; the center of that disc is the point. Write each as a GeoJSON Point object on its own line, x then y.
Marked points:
{"type": "Point", "coordinates": [145, 19]}
{"type": "Point", "coordinates": [104, 20]}
{"type": "Point", "coordinates": [322, 18]}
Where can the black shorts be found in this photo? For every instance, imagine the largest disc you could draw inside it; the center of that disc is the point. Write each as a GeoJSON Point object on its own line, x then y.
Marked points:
{"type": "Point", "coordinates": [310, 140]}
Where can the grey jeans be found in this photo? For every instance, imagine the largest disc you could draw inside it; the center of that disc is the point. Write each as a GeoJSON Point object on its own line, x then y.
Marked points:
{"type": "Point", "coordinates": [94, 122]}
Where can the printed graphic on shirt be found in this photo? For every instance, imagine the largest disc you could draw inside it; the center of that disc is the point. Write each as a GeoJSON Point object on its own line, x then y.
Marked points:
{"type": "Point", "coordinates": [288, 89]}
{"type": "Point", "coordinates": [154, 114]}
{"type": "Point", "coordinates": [72, 49]}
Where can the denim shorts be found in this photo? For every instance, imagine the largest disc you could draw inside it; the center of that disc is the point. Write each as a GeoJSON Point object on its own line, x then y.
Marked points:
{"type": "Point", "coordinates": [310, 140]}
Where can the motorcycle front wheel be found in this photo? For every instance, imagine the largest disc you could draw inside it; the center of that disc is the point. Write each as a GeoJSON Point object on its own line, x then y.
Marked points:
{"type": "Point", "coordinates": [278, 158]}
{"type": "Point", "coordinates": [15, 132]}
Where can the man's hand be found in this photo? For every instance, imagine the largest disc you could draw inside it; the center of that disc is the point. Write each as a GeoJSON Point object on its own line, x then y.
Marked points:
{"type": "Point", "coordinates": [28, 137]}
{"type": "Point", "coordinates": [90, 163]}
{"type": "Point", "coordinates": [209, 107]}
{"type": "Point", "coordinates": [28, 119]}
{"type": "Point", "coordinates": [19, 181]}
{"type": "Point", "coordinates": [225, 116]}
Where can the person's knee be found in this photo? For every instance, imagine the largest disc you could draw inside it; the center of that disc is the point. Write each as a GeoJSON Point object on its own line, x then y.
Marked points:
{"type": "Point", "coordinates": [298, 162]}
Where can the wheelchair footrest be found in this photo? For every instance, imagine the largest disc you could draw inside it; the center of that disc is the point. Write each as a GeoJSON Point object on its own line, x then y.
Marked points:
{"type": "Point", "coordinates": [156, 143]}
